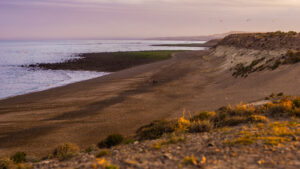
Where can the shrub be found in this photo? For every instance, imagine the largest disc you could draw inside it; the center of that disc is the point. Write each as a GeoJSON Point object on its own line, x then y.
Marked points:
{"type": "Point", "coordinates": [19, 157]}
{"type": "Point", "coordinates": [156, 129]}
{"type": "Point", "coordinates": [276, 65]}
{"type": "Point", "coordinates": [111, 140]}
{"type": "Point", "coordinates": [91, 148]}
{"type": "Point", "coordinates": [203, 116]}
{"type": "Point", "coordinates": [277, 110]}
{"type": "Point", "coordinates": [228, 116]}
{"type": "Point", "coordinates": [182, 124]}
{"type": "Point", "coordinates": [6, 163]}
{"type": "Point", "coordinates": [200, 126]}
{"type": "Point", "coordinates": [292, 57]}
{"type": "Point", "coordinates": [102, 153]}
{"type": "Point", "coordinates": [234, 121]}
{"type": "Point", "coordinates": [66, 151]}
{"type": "Point", "coordinates": [280, 94]}
{"type": "Point", "coordinates": [258, 119]}
{"type": "Point", "coordinates": [296, 103]}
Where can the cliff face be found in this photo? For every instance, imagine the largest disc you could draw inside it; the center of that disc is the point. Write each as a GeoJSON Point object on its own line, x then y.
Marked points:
{"type": "Point", "coordinates": [263, 41]}
{"type": "Point", "coordinates": [248, 53]}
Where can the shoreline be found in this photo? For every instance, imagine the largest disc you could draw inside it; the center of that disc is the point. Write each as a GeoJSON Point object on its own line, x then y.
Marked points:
{"type": "Point", "coordinates": [86, 112]}
{"type": "Point", "coordinates": [103, 62]}
{"type": "Point", "coordinates": [30, 121]}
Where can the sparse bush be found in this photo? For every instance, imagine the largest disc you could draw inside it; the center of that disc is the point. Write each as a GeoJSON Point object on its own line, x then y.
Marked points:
{"type": "Point", "coordinates": [200, 126]}
{"type": "Point", "coordinates": [234, 121]}
{"type": "Point", "coordinates": [280, 94]}
{"type": "Point", "coordinates": [91, 148]}
{"type": "Point", "coordinates": [111, 140]}
{"type": "Point", "coordinates": [6, 163]}
{"type": "Point", "coordinates": [277, 110]}
{"type": "Point", "coordinates": [276, 65]}
{"type": "Point", "coordinates": [102, 153]}
{"type": "Point", "coordinates": [228, 116]}
{"type": "Point", "coordinates": [182, 124]}
{"type": "Point", "coordinates": [292, 57]}
{"type": "Point", "coordinates": [203, 116]}
{"type": "Point", "coordinates": [19, 157]}
{"type": "Point", "coordinates": [258, 119]}
{"type": "Point", "coordinates": [292, 33]}
{"type": "Point", "coordinates": [296, 103]}
{"type": "Point", "coordinates": [156, 129]}
{"type": "Point", "coordinates": [66, 151]}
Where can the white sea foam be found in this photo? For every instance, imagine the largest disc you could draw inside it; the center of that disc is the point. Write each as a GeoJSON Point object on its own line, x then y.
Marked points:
{"type": "Point", "coordinates": [16, 80]}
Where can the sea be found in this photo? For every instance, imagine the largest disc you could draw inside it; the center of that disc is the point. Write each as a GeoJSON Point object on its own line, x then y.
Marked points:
{"type": "Point", "coordinates": [15, 79]}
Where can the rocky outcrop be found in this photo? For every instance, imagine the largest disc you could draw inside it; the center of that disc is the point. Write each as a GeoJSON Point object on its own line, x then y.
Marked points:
{"type": "Point", "coordinates": [263, 41]}
{"type": "Point", "coordinates": [248, 53]}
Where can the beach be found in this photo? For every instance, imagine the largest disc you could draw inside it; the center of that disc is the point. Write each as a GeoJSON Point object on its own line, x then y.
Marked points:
{"type": "Point", "coordinates": [85, 112]}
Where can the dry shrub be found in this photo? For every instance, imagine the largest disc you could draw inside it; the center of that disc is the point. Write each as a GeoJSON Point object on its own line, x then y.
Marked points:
{"type": "Point", "coordinates": [6, 163]}
{"type": "Point", "coordinates": [111, 140]}
{"type": "Point", "coordinates": [296, 103]}
{"type": "Point", "coordinates": [182, 124]}
{"type": "Point", "coordinates": [203, 116]}
{"type": "Point", "coordinates": [258, 119]}
{"type": "Point", "coordinates": [19, 157]}
{"type": "Point", "coordinates": [156, 129]}
{"type": "Point", "coordinates": [66, 151]}
{"type": "Point", "coordinates": [200, 126]}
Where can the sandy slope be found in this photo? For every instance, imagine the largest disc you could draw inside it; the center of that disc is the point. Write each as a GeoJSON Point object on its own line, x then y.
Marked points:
{"type": "Point", "coordinates": [86, 112]}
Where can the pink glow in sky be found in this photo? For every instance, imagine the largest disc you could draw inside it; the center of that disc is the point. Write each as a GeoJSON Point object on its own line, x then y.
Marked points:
{"type": "Point", "coordinates": [77, 19]}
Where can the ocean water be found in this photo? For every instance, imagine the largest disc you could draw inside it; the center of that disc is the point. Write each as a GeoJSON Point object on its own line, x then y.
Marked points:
{"type": "Point", "coordinates": [17, 80]}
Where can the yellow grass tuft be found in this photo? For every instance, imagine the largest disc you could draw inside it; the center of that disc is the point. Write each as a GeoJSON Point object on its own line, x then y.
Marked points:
{"type": "Point", "coordinates": [189, 160]}
{"type": "Point", "coordinates": [271, 133]}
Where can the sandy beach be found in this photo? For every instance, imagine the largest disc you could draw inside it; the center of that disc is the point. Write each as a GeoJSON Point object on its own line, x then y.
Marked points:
{"type": "Point", "coordinates": [121, 102]}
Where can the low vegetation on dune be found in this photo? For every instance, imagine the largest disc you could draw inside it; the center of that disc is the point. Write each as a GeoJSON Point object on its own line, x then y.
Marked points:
{"type": "Point", "coordinates": [267, 127]}
{"type": "Point", "coordinates": [264, 41]}
{"type": "Point", "coordinates": [286, 107]}
{"type": "Point", "coordinates": [111, 140]}
{"type": "Point", "coordinates": [243, 70]}
{"type": "Point", "coordinates": [65, 151]}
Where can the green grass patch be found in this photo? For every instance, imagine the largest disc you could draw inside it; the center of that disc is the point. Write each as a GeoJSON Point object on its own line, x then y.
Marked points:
{"type": "Point", "coordinates": [157, 55]}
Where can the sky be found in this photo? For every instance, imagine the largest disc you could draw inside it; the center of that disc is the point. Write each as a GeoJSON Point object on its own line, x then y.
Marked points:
{"type": "Point", "coordinates": [96, 19]}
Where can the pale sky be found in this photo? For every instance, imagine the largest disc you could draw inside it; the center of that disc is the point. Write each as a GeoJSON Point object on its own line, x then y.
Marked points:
{"type": "Point", "coordinates": [77, 19]}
